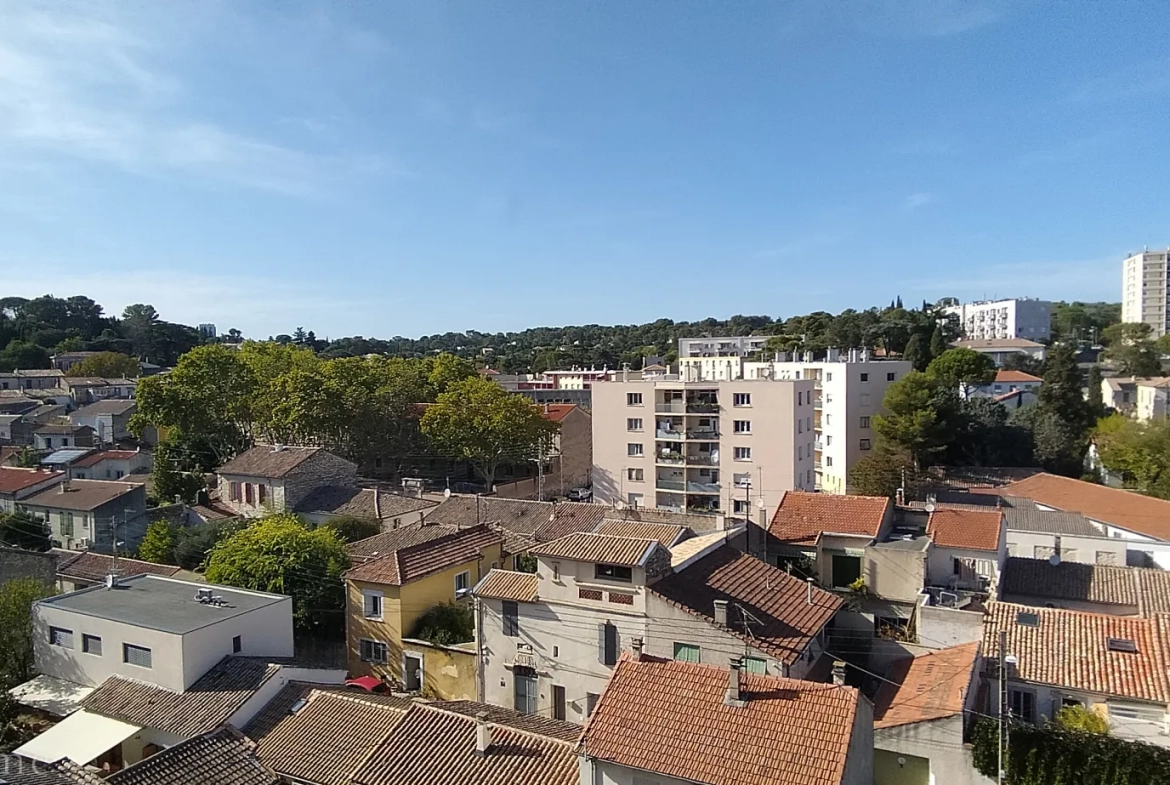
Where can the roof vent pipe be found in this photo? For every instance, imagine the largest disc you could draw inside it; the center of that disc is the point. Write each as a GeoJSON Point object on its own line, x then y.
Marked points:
{"type": "Point", "coordinates": [483, 734]}
{"type": "Point", "coordinates": [733, 696]}
{"type": "Point", "coordinates": [721, 612]}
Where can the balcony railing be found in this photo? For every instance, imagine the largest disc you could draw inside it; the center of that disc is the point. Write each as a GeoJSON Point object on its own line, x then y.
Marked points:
{"type": "Point", "coordinates": [673, 459]}
{"type": "Point", "coordinates": [702, 487]}
{"type": "Point", "coordinates": [702, 509]}
{"type": "Point", "coordinates": [664, 434]}
{"type": "Point", "coordinates": [669, 485]}
{"type": "Point", "coordinates": [703, 433]}
{"type": "Point", "coordinates": [703, 460]}
{"type": "Point", "coordinates": [670, 408]}
{"type": "Point", "coordinates": [702, 408]}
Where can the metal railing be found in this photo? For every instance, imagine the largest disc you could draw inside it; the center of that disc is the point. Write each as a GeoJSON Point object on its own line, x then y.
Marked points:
{"type": "Point", "coordinates": [669, 485]}
{"type": "Point", "coordinates": [702, 487]}
{"type": "Point", "coordinates": [703, 460]}
{"type": "Point", "coordinates": [661, 434]}
{"type": "Point", "coordinates": [670, 408]}
{"type": "Point", "coordinates": [702, 434]}
{"type": "Point", "coordinates": [675, 459]}
{"type": "Point", "coordinates": [702, 408]}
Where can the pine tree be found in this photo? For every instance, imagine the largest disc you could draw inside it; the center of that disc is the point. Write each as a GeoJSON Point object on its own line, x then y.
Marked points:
{"type": "Point", "coordinates": [899, 301]}
{"type": "Point", "coordinates": [1061, 392]}
{"type": "Point", "coordinates": [938, 344]}
{"type": "Point", "coordinates": [1096, 395]}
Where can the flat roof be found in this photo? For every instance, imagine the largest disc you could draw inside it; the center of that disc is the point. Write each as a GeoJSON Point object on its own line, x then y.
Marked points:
{"type": "Point", "coordinates": [159, 603]}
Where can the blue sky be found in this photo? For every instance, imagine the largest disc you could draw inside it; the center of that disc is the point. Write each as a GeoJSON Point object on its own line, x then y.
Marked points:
{"type": "Point", "coordinates": [401, 169]}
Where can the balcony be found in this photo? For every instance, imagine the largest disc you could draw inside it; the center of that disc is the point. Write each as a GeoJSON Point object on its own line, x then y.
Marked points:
{"type": "Point", "coordinates": [702, 407]}
{"type": "Point", "coordinates": [669, 485]}
{"type": "Point", "coordinates": [669, 435]}
{"type": "Point", "coordinates": [705, 507]}
{"type": "Point", "coordinates": [703, 460]}
{"type": "Point", "coordinates": [675, 407]}
{"type": "Point", "coordinates": [703, 434]}
{"type": "Point", "coordinates": [671, 458]}
{"type": "Point", "coordinates": [702, 487]}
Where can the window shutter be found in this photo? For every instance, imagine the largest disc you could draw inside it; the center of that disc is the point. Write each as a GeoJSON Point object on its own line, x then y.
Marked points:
{"type": "Point", "coordinates": [610, 652]}
{"type": "Point", "coordinates": [511, 619]}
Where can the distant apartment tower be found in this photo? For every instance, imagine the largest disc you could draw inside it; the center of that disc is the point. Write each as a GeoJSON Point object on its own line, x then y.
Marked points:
{"type": "Point", "coordinates": [1022, 317]}
{"type": "Point", "coordinates": [702, 446]}
{"type": "Point", "coordinates": [1144, 287]}
{"type": "Point", "coordinates": [207, 330]}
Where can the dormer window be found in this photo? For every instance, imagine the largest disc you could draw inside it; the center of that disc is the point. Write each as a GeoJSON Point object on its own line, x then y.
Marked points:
{"type": "Point", "coordinates": [613, 572]}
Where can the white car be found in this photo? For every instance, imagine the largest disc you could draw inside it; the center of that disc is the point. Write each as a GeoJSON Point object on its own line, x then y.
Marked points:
{"type": "Point", "coordinates": [580, 494]}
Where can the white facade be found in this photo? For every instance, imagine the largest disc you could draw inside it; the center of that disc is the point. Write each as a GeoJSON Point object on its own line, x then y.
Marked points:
{"type": "Point", "coordinates": [704, 446]}
{"type": "Point", "coordinates": [736, 346]}
{"type": "Point", "coordinates": [1015, 318]}
{"type": "Point", "coordinates": [93, 648]}
{"type": "Point", "coordinates": [1153, 399]}
{"type": "Point", "coordinates": [1144, 290]}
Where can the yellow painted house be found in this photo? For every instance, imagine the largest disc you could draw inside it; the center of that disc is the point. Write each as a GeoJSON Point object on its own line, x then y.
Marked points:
{"type": "Point", "coordinates": [397, 577]}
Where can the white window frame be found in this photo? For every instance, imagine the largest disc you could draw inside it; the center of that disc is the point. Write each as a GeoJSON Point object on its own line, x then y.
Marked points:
{"type": "Point", "coordinates": [741, 400]}
{"type": "Point", "coordinates": [369, 596]}
{"type": "Point", "coordinates": [742, 454]}
{"type": "Point", "coordinates": [635, 450]}
{"type": "Point", "coordinates": [633, 423]}
{"type": "Point", "coordinates": [373, 650]}
{"type": "Point", "coordinates": [466, 576]}
{"type": "Point", "coordinates": [636, 474]}
{"type": "Point", "coordinates": [864, 421]}
{"type": "Point", "coordinates": [741, 427]}
{"type": "Point", "coordinates": [634, 399]}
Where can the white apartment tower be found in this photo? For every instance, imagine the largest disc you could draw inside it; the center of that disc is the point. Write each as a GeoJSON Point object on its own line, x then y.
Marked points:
{"type": "Point", "coordinates": [1022, 317]}
{"type": "Point", "coordinates": [702, 446]}
{"type": "Point", "coordinates": [1144, 290]}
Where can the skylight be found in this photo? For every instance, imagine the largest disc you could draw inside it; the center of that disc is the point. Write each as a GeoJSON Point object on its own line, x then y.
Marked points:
{"type": "Point", "coordinates": [1121, 644]}
{"type": "Point", "coordinates": [1028, 619]}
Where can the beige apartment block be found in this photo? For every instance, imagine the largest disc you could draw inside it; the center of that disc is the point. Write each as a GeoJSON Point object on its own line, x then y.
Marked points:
{"type": "Point", "coordinates": [702, 446]}
{"type": "Point", "coordinates": [1144, 287]}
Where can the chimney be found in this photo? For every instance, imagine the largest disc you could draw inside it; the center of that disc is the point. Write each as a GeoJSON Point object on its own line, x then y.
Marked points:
{"type": "Point", "coordinates": [808, 582]}
{"type": "Point", "coordinates": [900, 497]}
{"type": "Point", "coordinates": [734, 694]}
{"type": "Point", "coordinates": [838, 672]}
{"type": "Point", "coordinates": [65, 486]}
{"type": "Point", "coordinates": [721, 612]}
{"type": "Point", "coordinates": [377, 505]}
{"type": "Point", "coordinates": [111, 580]}
{"type": "Point", "coordinates": [637, 645]}
{"type": "Point", "coordinates": [483, 734]}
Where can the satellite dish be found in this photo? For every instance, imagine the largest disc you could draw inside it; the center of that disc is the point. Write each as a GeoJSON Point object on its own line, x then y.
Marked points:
{"type": "Point", "coordinates": [446, 493]}
{"type": "Point", "coordinates": [929, 507]}
{"type": "Point", "coordinates": [760, 502]}
{"type": "Point", "coordinates": [1054, 559]}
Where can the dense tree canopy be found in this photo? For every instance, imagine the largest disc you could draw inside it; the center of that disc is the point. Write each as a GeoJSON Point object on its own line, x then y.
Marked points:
{"type": "Point", "coordinates": [16, 650]}
{"type": "Point", "coordinates": [106, 365]}
{"type": "Point", "coordinates": [1137, 451]}
{"type": "Point", "coordinates": [21, 529]}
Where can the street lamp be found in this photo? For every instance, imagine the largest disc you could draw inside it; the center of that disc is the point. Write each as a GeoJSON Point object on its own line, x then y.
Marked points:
{"type": "Point", "coordinates": [1005, 660]}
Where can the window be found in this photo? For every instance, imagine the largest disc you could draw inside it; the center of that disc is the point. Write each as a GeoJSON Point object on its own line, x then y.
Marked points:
{"type": "Point", "coordinates": [828, 460]}
{"type": "Point", "coordinates": [635, 475]}
{"type": "Point", "coordinates": [800, 426]}
{"type": "Point", "coordinates": [556, 570]}
{"type": "Point", "coordinates": [846, 569]}
{"type": "Point", "coordinates": [828, 419]}
{"type": "Point", "coordinates": [757, 665]}
{"type": "Point", "coordinates": [234, 491]}
{"type": "Point", "coordinates": [634, 424]}
{"type": "Point", "coordinates": [590, 702]}
{"type": "Point", "coordinates": [800, 452]}
{"type": "Point", "coordinates": [511, 614]}
{"type": "Point", "coordinates": [613, 572]}
{"type": "Point", "coordinates": [865, 377]}
{"type": "Point", "coordinates": [741, 399]}
{"type": "Point", "coordinates": [739, 506]}
{"type": "Point", "coordinates": [742, 426]}
{"type": "Point", "coordinates": [891, 376]}
{"type": "Point", "coordinates": [373, 651]}
{"type": "Point", "coordinates": [609, 644]}
{"type": "Point", "coordinates": [865, 399]}
{"type": "Point", "coordinates": [237, 644]}
{"type": "Point", "coordinates": [865, 444]}
{"type": "Point", "coordinates": [462, 582]}
{"type": "Point", "coordinates": [1121, 644]}
{"type": "Point", "coordinates": [525, 690]}
{"type": "Point", "coordinates": [687, 652]}
{"type": "Point", "coordinates": [558, 702]}
{"type": "Point", "coordinates": [136, 655]}
{"type": "Point", "coordinates": [1022, 705]}
{"type": "Point", "coordinates": [829, 376]}
{"type": "Point", "coordinates": [743, 453]}
{"type": "Point", "coordinates": [59, 636]}
{"type": "Point", "coordinates": [261, 492]}
{"type": "Point", "coordinates": [865, 422]}
{"type": "Point", "coordinates": [372, 604]}
{"type": "Point", "coordinates": [634, 450]}
{"type": "Point", "coordinates": [248, 498]}
{"type": "Point", "coordinates": [634, 500]}
{"type": "Point", "coordinates": [828, 440]}
{"type": "Point", "coordinates": [799, 398]}
{"type": "Point", "coordinates": [633, 399]}
{"type": "Point", "coordinates": [66, 524]}
{"type": "Point", "coordinates": [91, 644]}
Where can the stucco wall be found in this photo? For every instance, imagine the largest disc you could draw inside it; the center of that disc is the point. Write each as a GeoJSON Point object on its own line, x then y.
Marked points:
{"type": "Point", "coordinates": [940, 627]}
{"type": "Point", "coordinates": [939, 743]}
{"type": "Point", "coordinates": [859, 758]}
{"type": "Point", "coordinates": [264, 632]}
{"type": "Point", "coordinates": [448, 671]}
{"type": "Point", "coordinates": [1082, 550]}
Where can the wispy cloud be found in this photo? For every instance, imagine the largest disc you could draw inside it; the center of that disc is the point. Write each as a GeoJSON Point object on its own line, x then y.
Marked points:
{"type": "Point", "coordinates": [88, 88]}
{"type": "Point", "coordinates": [920, 199]}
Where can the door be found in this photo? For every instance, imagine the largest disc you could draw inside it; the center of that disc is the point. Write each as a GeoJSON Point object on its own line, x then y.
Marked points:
{"type": "Point", "coordinates": [412, 672]}
{"type": "Point", "coordinates": [558, 702]}
{"type": "Point", "coordinates": [525, 681]}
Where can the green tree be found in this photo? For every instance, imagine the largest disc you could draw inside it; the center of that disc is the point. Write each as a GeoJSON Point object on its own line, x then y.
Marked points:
{"type": "Point", "coordinates": [158, 545]}
{"type": "Point", "coordinates": [28, 459]}
{"type": "Point", "coordinates": [1059, 445]}
{"type": "Point", "coordinates": [916, 420]}
{"type": "Point", "coordinates": [1061, 392]}
{"type": "Point", "coordinates": [1138, 451]}
{"type": "Point", "coordinates": [1132, 349]}
{"type": "Point", "coordinates": [169, 481]}
{"type": "Point", "coordinates": [961, 369]}
{"type": "Point", "coordinates": [24, 356]}
{"type": "Point", "coordinates": [106, 365]}
{"type": "Point", "coordinates": [1018, 361]}
{"type": "Point", "coordinates": [447, 370]}
{"type": "Point", "coordinates": [938, 343]}
{"type": "Point", "coordinates": [985, 436]}
{"type": "Point", "coordinates": [445, 624]}
{"type": "Point", "coordinates": [1096, 398]}
{"type": "Point", "coordinates": [194, 543]}
{"type": "Point", "coordinates": [480, 422]}
{"type": "Point", "coordinates": [883, 473]}
{"type": "Point", "coordinates": [1078, 718]}
{"type": "Point", "coordinates": [280, 554]}
{"type": "Point", "coordinates": [21, 529]}
{"type": "Point", "coordinates": [917, 352]}
{"type": "Point", "coordinates": [351, 528]}
{"type": "Point", "coordinates": [16, 649]}
{"type": "Point", "coordinates": [141, 324]}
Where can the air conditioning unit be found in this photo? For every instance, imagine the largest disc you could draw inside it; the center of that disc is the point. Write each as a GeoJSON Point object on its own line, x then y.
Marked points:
{"type": "Point", "coordinates": [81, 543]}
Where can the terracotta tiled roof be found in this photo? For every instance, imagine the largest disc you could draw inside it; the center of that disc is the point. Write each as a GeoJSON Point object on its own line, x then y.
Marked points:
{"type": "Point", "coordinates": [802, 517]}
{"type": "Point", "coordinates": [1127, 509]}
{"type": "Point", "coordinates": [90, 566]}
{"type": "Point", "coordinates": [520, 517]}
{"type": "Point", "coordinates": [533, 723]}
{"type": "Point", "coordinates": [629, 551]}
{"type": "Point", "coordinates": [18, 770]}
{"type": "Point", "coordinates": [1015, 376]}
{"type": "Point", "coordinates": [508, 585]}
{"type": "Point", "coordinates": [1070, 649]}
{"type": "Point", "coordinates": [665, 533]}
{"type": "Point", "coordinates": [209, 702]}
{"type": "Point", "coordinates": [395, 539]}
{"type": "Point", "coordinates": [431, 745]}
{"type": "Point", "coordinates": [927, 687]}
{"type": "Point", "coordinates": [222, 756]}
{"type": "Point", "coordinates": [82, 495]}
{"type": "Point", "coordinates": [327, 738]}
{"type": "Point", "coordinates": [418, 561]}
{"type": "Point", "coordinates": [107, 455]}
{"type": "Point", "coordinates": [555, 412]}
{"type": "Point", "coordinates": [670, 718]}
{"type": "Point", "coordinates": [360, 502]}
{"type": "Point", "coordinates": [268, 461]}
{"type": "Point", "coordinates": [967, 528]}
{"type": "Point", "coordinates": [13, 479]}
{"type": "Point", "coordinates": [767, 607]}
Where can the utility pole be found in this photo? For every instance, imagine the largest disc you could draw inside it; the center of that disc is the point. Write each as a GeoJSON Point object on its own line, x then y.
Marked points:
{"type": "Point", "coordinates": [540, 473]}
{"type": "Point", "coordinates": [1002, 697]}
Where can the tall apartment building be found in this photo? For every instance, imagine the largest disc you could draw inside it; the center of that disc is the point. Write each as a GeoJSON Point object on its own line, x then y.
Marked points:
{"type": "Point", "coordinates": [1022, 317]}
{"type": "Point", "coordinates": [702, 446]}
{"type": "Point", "coordinates": [1145, 289]}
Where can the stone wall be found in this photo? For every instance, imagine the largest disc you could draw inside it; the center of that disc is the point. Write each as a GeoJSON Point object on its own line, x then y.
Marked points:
{"type": "Point", "coordinates": [323, 468]}
{"type": "Point", "coordinates": [16, 563]}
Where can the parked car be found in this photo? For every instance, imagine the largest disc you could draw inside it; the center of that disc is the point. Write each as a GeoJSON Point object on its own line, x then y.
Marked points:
{"type": "Point", "coordinates": [580, 494]}
{"type": "Point", "coordinates": [367, 684]}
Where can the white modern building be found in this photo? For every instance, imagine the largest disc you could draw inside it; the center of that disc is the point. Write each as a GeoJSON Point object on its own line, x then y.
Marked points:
{"type": "Point", "coordinates": [1022, 317]}
{"type": "Point", "coordinates": [702, 446]}
{"type": "Point", "coordinates": [1144, 290]}
{"type": "Point", "coordinates": [736, 346]}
